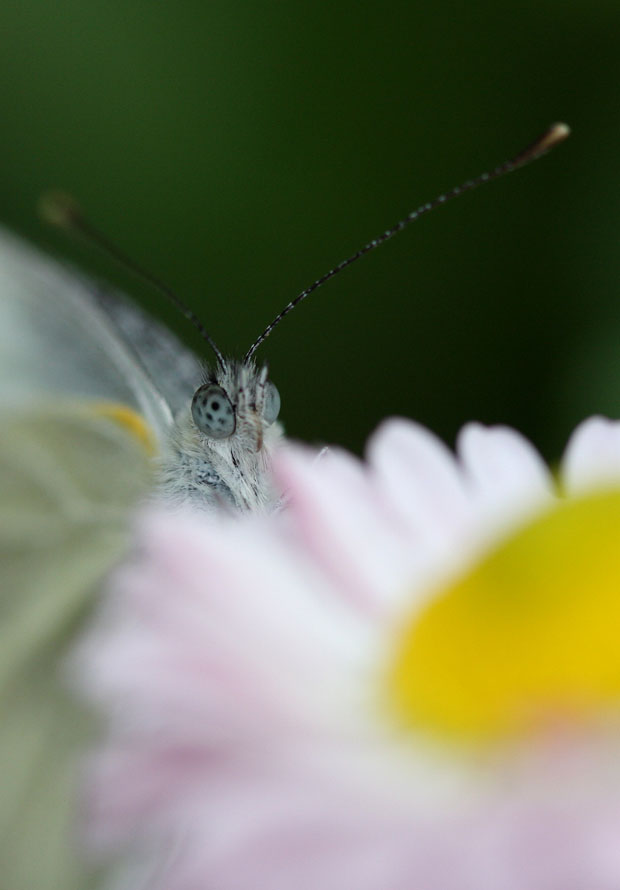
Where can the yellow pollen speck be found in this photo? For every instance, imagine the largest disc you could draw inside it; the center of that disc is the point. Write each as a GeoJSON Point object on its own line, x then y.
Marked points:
{"type": "Point", "coordinates": [130, 420]}
{"type": "Point", "coordinates": [528, 637]}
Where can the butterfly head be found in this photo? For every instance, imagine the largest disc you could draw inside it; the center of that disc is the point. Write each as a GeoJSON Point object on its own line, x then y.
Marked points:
{"type": "Point", "coordinates": [236, 402]}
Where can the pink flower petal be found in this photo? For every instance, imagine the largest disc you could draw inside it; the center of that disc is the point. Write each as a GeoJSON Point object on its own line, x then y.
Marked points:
{"type": "Point", "coordinates": [240, 665]}
{"type": "Point", "coordinates": [239, 621]}
{"type": "Point", "coordinates": [334, 506]}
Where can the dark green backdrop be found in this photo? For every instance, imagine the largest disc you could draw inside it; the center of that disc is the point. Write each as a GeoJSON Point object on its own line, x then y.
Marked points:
{"type": "Point", "coordinates": [240, 149]}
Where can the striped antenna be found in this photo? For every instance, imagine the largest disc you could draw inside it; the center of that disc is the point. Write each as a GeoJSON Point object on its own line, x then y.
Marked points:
{"type": "Point", "coordinates": [555, 134]}
{"type": "Point", "coordinates": [61, 210]}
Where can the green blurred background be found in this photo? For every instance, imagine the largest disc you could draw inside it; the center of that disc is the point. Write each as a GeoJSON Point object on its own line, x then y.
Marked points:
{"type": "Point", "coordinates": [240, 149]}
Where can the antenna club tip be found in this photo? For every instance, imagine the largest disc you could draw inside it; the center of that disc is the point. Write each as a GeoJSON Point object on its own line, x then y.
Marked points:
{"type": "Point", "coordinates": [59, 209]}
{"type": "Point", "coordinates": [553, 136]}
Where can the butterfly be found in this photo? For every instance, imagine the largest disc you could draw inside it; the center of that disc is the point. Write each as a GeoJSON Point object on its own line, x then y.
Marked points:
{"type": "Point", "coordinates": [102, 406]}
{"type": "Point", "coordinates": [214, 426]}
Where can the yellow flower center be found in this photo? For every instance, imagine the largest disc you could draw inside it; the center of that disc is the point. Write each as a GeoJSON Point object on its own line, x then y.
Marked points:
{"type": "Point", "coordinates": [528, 637]}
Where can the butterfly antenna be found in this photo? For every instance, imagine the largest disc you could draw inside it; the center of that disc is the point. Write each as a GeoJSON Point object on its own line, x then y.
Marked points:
{"type": "Point", "coordinates": [61, 210]}
{"type": "Point", "coordinates": [555, 134]}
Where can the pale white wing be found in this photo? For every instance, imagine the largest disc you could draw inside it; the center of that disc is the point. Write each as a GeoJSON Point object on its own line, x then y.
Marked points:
{"type": "Point", "coordinates": [69, 481]}
{"type": "Point", "coordinates": [176, 369]}
{"type": "Point", "coordinates": [63, 334]}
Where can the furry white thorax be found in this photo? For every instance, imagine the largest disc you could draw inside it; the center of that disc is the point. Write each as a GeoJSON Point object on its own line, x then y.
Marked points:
{"type": "Point", "coordinates": [232, 472]}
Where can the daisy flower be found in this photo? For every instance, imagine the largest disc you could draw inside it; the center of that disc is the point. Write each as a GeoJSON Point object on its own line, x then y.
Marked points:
{"type": "Point", "coordinates": [407, 680]}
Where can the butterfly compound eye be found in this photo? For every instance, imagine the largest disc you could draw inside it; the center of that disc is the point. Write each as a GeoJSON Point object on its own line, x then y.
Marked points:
{"type": "Point", "coordinates": [213, 412]}
{"type": "Point", "coordinates": [272, 403]}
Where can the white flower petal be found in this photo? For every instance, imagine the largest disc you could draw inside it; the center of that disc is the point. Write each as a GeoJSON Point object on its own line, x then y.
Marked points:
{"type": "Point", "coordinates": [592, 456]}
{"type": "Point", "coordinates": [421, 482]}
{"type": "Point", "coordinates": [508, 478]}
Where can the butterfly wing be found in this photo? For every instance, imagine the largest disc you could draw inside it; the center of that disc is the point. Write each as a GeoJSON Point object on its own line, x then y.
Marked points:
{"type": "Point", "coordinates": [69, 479]}
{"type": "Point", "coordinates": [63, 335]}
{"type": "Point", "coordinates": [166, 360]}
{"type": "Point", "coordinates": [62, 527]}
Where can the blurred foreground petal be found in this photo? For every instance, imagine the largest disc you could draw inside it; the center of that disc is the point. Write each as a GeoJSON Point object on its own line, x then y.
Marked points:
{"type": "Point", "coordinates": [374, 689]}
